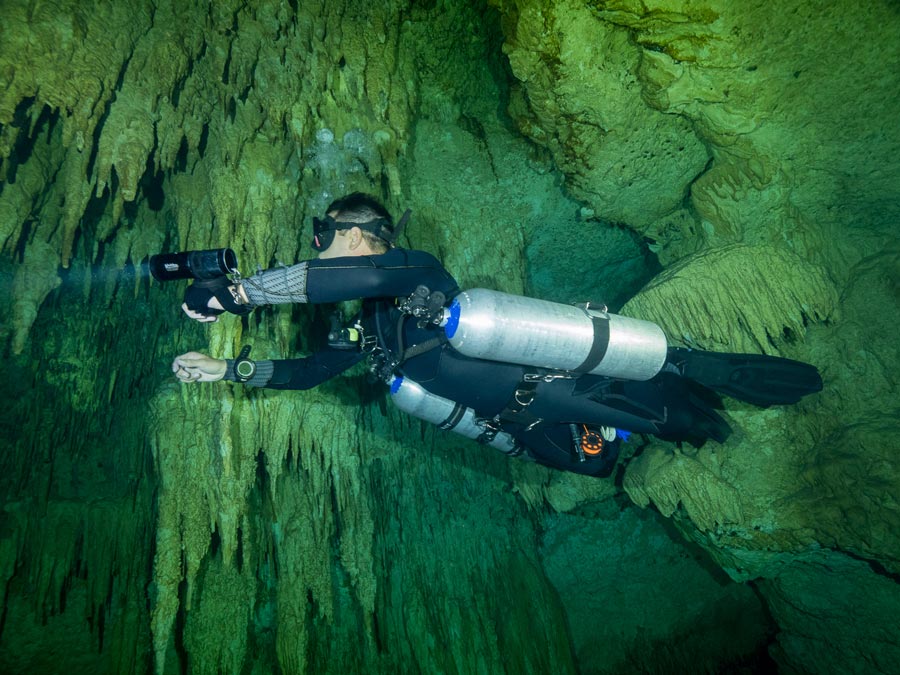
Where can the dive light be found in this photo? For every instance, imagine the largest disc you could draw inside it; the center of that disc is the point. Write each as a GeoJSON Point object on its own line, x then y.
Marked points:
{"type": "Point", "coordinates": [211, 264]}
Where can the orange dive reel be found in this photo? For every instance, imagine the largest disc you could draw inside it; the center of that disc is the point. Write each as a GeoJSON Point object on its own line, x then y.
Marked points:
{"type": "Point", "coordinates": [591, 441]}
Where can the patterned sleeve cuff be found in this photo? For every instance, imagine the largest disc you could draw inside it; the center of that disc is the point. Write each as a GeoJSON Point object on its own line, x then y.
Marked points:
{"type": "Point", "coordinates": [277, 286]}
{"type": "Point", "coordinates": [261, 377]}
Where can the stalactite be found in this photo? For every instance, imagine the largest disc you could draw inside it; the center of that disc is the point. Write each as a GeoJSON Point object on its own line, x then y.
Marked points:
{"type": "Point", "coordinates": [224, 608]}
{"type": "Point", "coordinates": [738, 298]}
{"type": "Point", "coordinates": [74, 56]}
{"type": "Point", "coordinates": [684, 482]}
{"type": "Point", "coordinates": [34, 280]}
{"type": "Point", "coordinates": [795, 486]}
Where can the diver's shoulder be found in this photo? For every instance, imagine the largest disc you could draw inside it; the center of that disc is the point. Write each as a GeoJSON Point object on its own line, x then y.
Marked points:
{"type": "Point", "coordinates": [409, 255]}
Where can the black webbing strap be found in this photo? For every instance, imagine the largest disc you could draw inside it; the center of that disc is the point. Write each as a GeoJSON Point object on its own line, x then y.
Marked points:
{"type": "Point", "coordinates": [598, 349]}
{"type": "Point", "coordinates": [397, 230]}
{"type": "Point", "coordinates": [407, 353]}
{"type": "Point", "coordinates": [423, 347]}
{"type": "Point", "coordinates": [454, 417]}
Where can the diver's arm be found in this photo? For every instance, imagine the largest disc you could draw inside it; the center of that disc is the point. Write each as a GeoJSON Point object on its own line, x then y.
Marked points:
{"type": "Point", "coordinates": [395, 273]}
{"type": "Point", "coordinates": [304, 373]}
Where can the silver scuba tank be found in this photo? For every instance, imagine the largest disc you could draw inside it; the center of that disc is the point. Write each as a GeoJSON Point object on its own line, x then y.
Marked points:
{"type": "Point", "coordinates": [412, 398]}
{"type": "Point", "coordinates": [497, 326]}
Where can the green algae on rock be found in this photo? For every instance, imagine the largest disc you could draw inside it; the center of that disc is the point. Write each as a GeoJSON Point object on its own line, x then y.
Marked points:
{"type": "Point", "coordinates": [737, 299]}
{"type": "Point", "coordinates": [747, 148]}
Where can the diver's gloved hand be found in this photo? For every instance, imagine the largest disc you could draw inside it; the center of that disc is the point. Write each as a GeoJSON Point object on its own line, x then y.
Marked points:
{"type": "Point", "coordinates": [197, 367]}
{"type": "Point", "coordinates": [205, 299]}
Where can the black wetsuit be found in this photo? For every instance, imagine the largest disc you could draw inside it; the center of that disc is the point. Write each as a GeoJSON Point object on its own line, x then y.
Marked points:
{"type": "Point", "coordinates": [485, 386]}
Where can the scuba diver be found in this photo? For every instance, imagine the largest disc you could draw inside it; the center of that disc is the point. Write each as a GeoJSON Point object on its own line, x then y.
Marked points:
{"type": "Point", "coordinates": [442, 352]}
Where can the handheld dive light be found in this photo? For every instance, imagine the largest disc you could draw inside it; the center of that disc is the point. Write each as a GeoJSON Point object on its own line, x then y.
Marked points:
{"type": "Point", "coordinates": [212, 264]}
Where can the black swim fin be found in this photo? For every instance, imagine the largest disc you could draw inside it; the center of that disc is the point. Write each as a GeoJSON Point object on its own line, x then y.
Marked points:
{"type": "Point", "coordinates": [691, 412]}
{"type": "Point", "coordinates": [754, 378]}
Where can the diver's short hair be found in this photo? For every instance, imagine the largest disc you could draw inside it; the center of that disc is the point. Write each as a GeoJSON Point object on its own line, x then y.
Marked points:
{"type": "Point", "coordinates": [362, 208]}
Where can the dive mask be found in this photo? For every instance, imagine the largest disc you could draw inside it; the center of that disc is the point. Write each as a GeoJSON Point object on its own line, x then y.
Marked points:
{"type": "Point", "coordinates": [323, 233]}
{"type": "Point", "coordinates": [324, 229]}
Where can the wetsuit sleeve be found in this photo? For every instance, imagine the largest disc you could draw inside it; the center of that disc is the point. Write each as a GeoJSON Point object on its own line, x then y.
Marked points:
{"type": "Point", "coordinates": [304, 373]}
{"type": "Point", "coordinates": [395, 273]}
{"type": "Point", "coordinates": [278, 286]}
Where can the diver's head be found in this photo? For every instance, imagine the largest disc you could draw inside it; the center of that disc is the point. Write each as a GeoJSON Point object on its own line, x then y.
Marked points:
{"type": "Point", "coordinates": [357, 224]}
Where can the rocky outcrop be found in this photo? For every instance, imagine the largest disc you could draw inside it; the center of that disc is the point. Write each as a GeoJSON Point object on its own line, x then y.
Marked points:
{"type": "Point", "coordinates": [783, 241]}
{"type": "Point", "coordinates": [744, 153]}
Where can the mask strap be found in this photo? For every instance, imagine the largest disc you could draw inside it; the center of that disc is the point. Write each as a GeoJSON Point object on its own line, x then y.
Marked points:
{"type": "Point", "coordinates": [403, 220]}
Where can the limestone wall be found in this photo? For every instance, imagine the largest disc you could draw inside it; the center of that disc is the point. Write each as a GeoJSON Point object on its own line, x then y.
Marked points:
{"type": "Point", "coordinates": [569, 150]}
{"type": "Point", "coordinates": [215, 528]}
{"type": "Point", "coordinates": [767, 135]}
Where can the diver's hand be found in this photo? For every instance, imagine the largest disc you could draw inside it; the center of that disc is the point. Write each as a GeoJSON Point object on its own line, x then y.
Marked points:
{"type": "Point", "coordinates": [202, 318]}
{"type": "Point", "coordinates": [201, 301]}
{"type": "Point", "coordinates": [205, 299]}
{"type": "Point", "coordinates": [197, 367]}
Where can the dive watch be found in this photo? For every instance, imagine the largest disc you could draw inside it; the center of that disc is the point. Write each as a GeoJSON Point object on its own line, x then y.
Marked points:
{"type": "Point", "coordinates": [244, 368]}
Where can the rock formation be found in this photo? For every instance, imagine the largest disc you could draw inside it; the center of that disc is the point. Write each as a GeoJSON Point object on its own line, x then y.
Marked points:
{"type": "Point", "coordinates": [731, 173]}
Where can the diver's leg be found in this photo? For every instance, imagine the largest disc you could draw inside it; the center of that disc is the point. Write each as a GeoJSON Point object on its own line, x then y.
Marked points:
{"type": "Point", "coordinates": [484, 386]}
{"type": "Point", "coordinates": [691, 412]}
{"type": "Point", "coordinates": [552, 445]}
{"type": "Point", "coordinates": [559, 402]}
{"type": "Point", "coordinates": [667, 406]}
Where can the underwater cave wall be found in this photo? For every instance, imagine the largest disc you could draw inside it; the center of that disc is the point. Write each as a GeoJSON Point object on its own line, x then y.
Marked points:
{"type": "Point", "coordinates": [147, 525]}
{"type": "Point", "coordinates": [755, 146]}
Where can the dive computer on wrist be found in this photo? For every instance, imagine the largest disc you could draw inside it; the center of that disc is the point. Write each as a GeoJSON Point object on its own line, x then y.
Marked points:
{"type": "Point", "coordinates": [244, 368]}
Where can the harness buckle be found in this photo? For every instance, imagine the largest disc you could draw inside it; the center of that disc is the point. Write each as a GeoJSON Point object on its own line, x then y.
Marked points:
{"type": "Point", "coordinates": [524, 397]}
{"type": "Point", "coordinates": [588, 306]}
{"type": "Point", "coordinates": [516, 411]}
{"type": "Point", "coordinates": [547, 377]}
{"type": "Point", "coordinates": [490, 428]}
{"type": "Point", "coordinates": [368, 342]}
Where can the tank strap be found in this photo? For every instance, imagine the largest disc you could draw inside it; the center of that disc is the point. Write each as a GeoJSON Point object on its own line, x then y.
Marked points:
{"type": "Point", "coordinates": [453, 418]}
{"type": "Point", "coordinates": [489, 429]}
{"type": "Point", "coordinates": [601, 344]}
{"type": "Point", "coordinates": [491, 426]}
